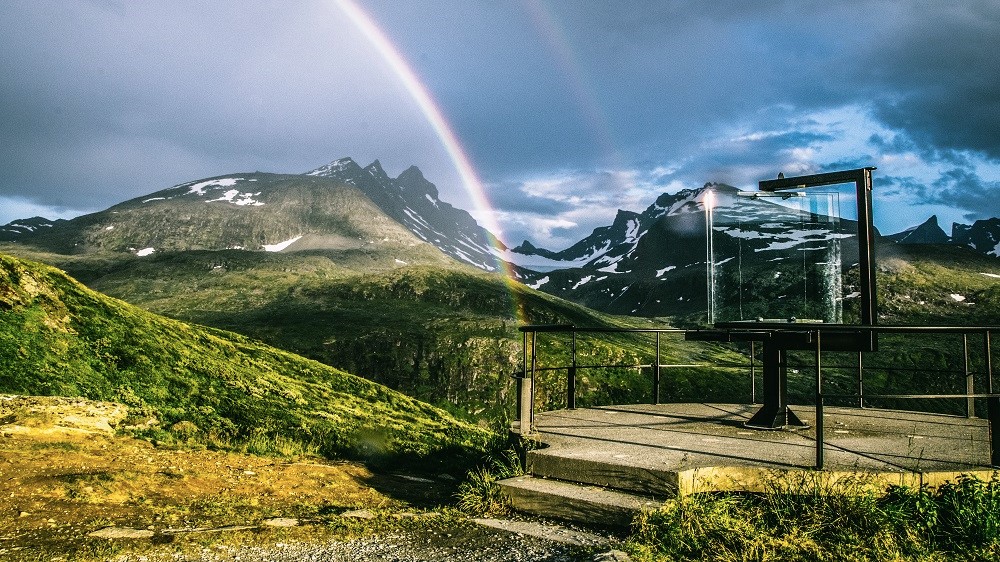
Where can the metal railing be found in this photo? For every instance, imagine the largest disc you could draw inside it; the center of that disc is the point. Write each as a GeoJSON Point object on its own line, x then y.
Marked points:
{"type": "Point", "coordinates": [814, 333]}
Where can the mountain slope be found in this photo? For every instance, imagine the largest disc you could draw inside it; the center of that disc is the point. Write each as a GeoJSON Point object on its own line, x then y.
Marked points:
{"type": "Point", "coordinates": [444, 335]}
{"type": "Point", "coordinates": [271, 212]}
{"type": "Point", "coordinates": [60, 338]}
{"type": "Point", "coordinates": [413, 201]}
{"type": "Point", "coordinates": [928, 232]}
{"type": "Point", "coordinates": [982, 236]}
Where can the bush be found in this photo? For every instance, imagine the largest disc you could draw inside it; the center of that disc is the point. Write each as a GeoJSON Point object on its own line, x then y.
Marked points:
{"type": "Point", "coordinates": [812, 518]}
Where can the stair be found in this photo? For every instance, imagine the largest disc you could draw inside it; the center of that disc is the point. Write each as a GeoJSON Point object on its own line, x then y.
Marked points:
{"type": "Point", "coordinates": [591, 505]}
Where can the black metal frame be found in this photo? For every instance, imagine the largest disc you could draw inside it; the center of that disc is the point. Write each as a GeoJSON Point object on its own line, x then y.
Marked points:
{"type": "Point", "coordinates": [778, 338]}
{"type": "Point", "coordinates": [862, 180]}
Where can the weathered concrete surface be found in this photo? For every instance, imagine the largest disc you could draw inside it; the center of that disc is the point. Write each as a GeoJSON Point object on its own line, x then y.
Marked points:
{"type": "Point", "coordinates": [683, 448]}
{"type": "Point", "coordinates": [668, 450]}
{"type": "Point", "coordinates": [598, 507]}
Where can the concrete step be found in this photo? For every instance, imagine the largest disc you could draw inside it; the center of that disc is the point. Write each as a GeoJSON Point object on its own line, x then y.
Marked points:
{"type": "Point", "coordinates": [606, 474]}
{"type": "Point", "coordinates": [590, 505]}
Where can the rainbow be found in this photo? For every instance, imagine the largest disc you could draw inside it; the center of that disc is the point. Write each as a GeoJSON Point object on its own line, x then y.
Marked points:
{"type": "Point", "coordinates": [428, 107]}
{"type": "Point", "coordinates": [435, 117]}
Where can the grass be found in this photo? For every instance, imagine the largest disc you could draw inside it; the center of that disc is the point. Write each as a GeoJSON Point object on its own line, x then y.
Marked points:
{"type": "Point", "coordinates": [444, 335]}
{"type": "Point", "coordinates": [201, 385]}
{"type": "Point", "coordinates": [815, 520]}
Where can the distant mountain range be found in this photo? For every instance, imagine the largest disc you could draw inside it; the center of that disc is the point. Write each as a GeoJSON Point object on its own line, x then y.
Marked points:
{"type": "Point", "coordinates": [651, 263]}
{"type": "Point", "coordinates": [339, 206]}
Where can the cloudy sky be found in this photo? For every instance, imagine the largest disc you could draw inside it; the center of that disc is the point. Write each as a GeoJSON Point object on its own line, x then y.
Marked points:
{"type": "Point", "coordinates": [565, 110]}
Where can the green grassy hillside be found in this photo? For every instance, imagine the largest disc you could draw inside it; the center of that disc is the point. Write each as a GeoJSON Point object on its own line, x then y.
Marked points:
{"type": "Point", "coordinates": [937, 284]}
{"type": "Point", "coordinates": [217, 388]}
{"type": "Point", "coordinates": [446, 335]}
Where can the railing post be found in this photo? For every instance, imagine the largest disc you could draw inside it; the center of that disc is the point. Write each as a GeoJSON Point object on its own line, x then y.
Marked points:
{"type": "Point", "coordinates": [520, 382]}
{"type": "Point", "coordinates": [819, 404]}
{"type": "Point", "coordinates": [970, 402]}
{"type": "Point", "coordinates": [571, 378]}
{"type": "Point", "coordinates": [992, 405]}
{"type": "Point", "coordinates": [656, 372]}
{"type": "Point", "coordinates": [861, 380]}
{"type": "Point", "coordinates": [526, 394]}
{"type": "Point", "coordinates": [753, 374]}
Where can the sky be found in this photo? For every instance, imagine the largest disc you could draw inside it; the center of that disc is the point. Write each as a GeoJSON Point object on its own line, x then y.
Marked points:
{"type": "Point", "coordinates": [541, 117]}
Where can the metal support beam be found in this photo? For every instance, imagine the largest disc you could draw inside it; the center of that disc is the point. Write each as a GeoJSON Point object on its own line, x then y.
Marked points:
{"type": "Point", "coordinates": [774, 413]}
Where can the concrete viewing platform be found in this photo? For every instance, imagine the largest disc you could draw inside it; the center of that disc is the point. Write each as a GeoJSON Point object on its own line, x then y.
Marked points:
{"type": "Point", "coordinates": [635, 456]}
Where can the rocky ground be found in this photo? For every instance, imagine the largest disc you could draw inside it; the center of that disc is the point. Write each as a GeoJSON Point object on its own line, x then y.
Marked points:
{"type": "Point", "coordinates": [72, 488]}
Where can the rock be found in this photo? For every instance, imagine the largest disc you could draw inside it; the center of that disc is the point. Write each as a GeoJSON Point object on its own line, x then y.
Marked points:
{"type": "Point", "coordinates": [358, 514]}
{"type": "Point", "coordinates": [122, 533]}
{"type": "Point", "coordinates": [281, 522]}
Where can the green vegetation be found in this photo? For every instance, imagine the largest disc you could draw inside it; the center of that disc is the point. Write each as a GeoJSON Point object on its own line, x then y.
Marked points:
{"type": "Point", "coordinates": [445, 335]}
{"type": "Point", "coordinates": [193, 385]}
{"type": "Point", "coordinates": [814, 520]}
{"type": "Point", "coordinates": [916, 284]}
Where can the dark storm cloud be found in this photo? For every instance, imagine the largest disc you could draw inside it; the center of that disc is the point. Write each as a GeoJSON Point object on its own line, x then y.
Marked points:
{"type": "Point", "coordinates": [940, 62]}
{"type": "Point", "coordinates": [963, 188]}
{"type": "Point", "coordinates": [102, 100]}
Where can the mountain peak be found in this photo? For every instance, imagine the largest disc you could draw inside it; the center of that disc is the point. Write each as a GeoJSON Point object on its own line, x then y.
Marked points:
{"type": "Point", "coordinates": [927, 233]}
{"type": "Point", "coordinates": [338, 168]}
{"type": "Point", "coordinates": [624, 216]}
{"type": "Point", "coordinates": [375, 169]}
{"type": "Point", "coordinates": [413, 182]}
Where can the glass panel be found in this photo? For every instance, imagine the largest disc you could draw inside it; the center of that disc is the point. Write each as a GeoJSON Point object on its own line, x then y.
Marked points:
{"type": "Point", "coordinates": [775, 256]}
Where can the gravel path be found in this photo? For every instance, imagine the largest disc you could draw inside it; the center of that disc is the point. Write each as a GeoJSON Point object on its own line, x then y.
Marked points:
{"type": "Point", "coordinates": [466, 543]}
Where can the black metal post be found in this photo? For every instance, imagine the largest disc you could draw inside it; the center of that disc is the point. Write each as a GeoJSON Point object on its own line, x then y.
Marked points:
{"type": "Point", "coordinates": [774, 412]}
{"type": "Point", "coordinates": [992, 405]}
{"type": "Point", "coordinates": [861, 380]}
{"type": "Point", "coordinates": [524, 373]}
{"type": "Point", "coordinates": [819, 405]}
{"type": "Point", "coordinates": [866, 247]}
{"type": "Point", "coordinates": [534, 365]}
{"type": "Point", "coordinates": [753, 373]}
{"type": "Point", "coordinates": [970, 388]}
{"type": "Point", "coordinates": [656, 372]}
{"type": "Point", "coordinates": [571, 379]}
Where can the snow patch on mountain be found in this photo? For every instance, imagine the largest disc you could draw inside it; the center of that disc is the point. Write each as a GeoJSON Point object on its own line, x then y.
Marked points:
{"type": "Point", "coordinates": [540, 282]}
{"type": "Point", "coordinates": [145, 252]}
{"type": "Point", "coordinates": [235, 197]}
{"type": "Point", "coordinates": [538, 263]}
{"type": "Point", "coordinates": [281, 245]}
{"type": "Point", "coordinates": [199, 188]}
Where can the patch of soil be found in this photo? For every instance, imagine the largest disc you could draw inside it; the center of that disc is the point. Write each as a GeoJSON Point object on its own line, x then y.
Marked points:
{"type": "Point", "coordinates": [64, 474]}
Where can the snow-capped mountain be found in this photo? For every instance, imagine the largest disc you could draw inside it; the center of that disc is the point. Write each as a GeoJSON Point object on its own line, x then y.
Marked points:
{"type": "Point", "coordinates": [413, 201]}
{"type": "Point", "coordinates": [654, 262]}
{"type": "Point", "coordinates": [339, 206]}
{"type": "Point", "coordinates": [18, 228]}
{"type": "Point", "coordinates": [982, 236]}
{"type": "Point", "coordinates": [246, 211]}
